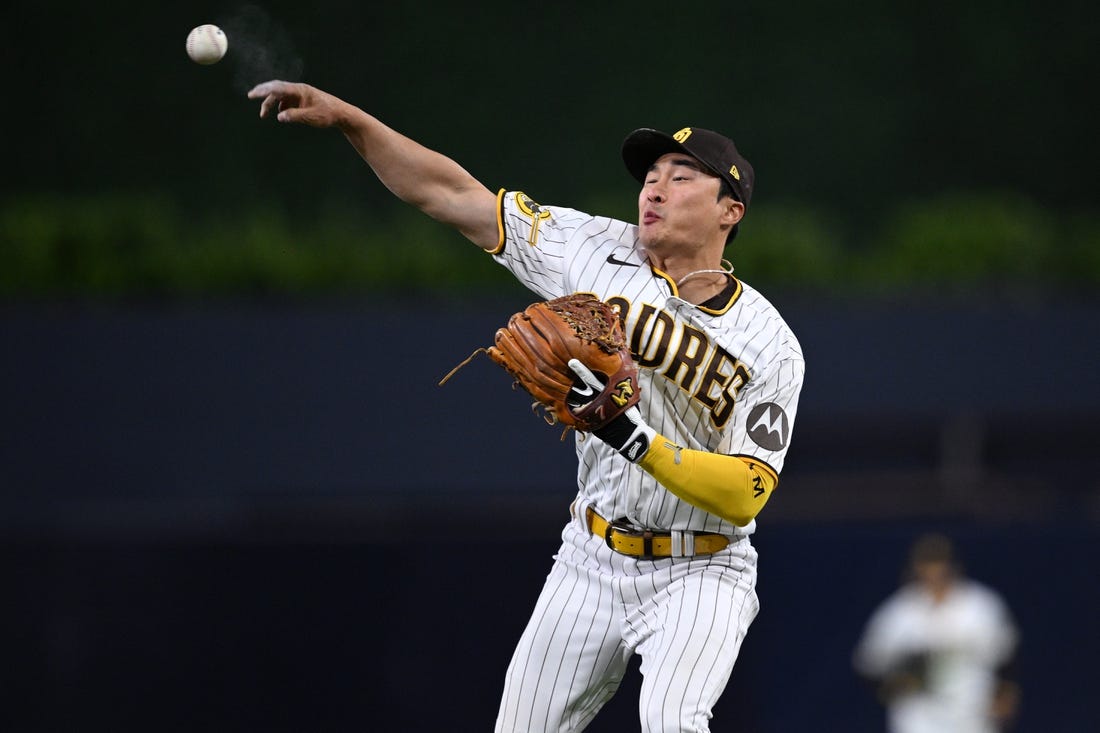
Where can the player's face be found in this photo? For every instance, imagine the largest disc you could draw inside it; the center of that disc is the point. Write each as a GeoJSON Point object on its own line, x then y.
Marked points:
{"type": "Point", "coordinates": [678, 207]}
{"type": "Point", "coordinates": [934, 576]}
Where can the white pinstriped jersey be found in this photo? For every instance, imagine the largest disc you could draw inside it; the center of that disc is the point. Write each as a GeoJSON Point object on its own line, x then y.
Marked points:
{"type": "Point", "coordinates": [723, 379]}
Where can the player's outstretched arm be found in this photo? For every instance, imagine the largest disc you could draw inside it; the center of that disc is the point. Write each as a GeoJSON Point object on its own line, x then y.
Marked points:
{"type": "Point", "coordinates": [432, 182]}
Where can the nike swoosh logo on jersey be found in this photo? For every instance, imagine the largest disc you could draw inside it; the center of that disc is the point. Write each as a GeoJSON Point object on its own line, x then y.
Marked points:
{"type": "Point", "coordinates": [613, 260]}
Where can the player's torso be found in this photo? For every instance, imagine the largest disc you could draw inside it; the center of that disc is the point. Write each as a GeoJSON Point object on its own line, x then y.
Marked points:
{"type": "Point", "coordinates": [693, 362]}
{"type": "Point", "coordinates": [692, 365]}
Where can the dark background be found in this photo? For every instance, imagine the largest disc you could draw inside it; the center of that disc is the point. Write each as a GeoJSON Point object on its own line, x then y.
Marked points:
{"type": "Point", "coordinates": [252, 513]}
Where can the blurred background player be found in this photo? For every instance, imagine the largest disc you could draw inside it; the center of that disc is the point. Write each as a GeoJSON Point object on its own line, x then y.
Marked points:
{"type": "Point", "coordinates": [940, 650]}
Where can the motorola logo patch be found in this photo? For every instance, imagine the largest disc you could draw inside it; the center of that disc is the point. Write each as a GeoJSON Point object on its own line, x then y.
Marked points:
{"type": "Point", "coordinates": [768, 426]}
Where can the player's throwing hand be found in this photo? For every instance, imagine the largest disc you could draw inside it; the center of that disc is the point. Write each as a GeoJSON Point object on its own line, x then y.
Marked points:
{"type": "Point", "coordinates": [302, 103]}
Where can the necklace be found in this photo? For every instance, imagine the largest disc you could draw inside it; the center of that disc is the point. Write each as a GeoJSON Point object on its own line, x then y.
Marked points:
{"type": "Point", "coordinates": [727, 269]}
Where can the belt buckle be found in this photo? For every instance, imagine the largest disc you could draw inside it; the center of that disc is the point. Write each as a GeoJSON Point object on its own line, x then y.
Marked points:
{"type": "Point", "coordinates": [622, 527]}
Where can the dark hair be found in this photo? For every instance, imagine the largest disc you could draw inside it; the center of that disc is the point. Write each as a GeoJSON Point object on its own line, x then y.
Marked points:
{"type": "Point", "coordinates": [931, 548]}
{"type": "Point", "coordinates": [725, 189]}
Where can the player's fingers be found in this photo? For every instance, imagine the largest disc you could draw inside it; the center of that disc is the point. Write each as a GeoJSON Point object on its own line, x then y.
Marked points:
{"type": "Point", "coordinates": [275, 95]}
{"type": "Point", "coordinates": [304, 115]}
{"type": "Point", "coordinates": [585, 374]}
{"type": "Point", "coordinates": [266, 88]}
{"type": "Point", "coordinates": [270, 102]}
{"type": "Point", "coordinates": [291, 114]}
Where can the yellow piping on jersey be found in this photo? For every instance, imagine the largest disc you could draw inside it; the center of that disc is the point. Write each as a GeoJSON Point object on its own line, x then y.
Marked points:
{"type": "Point", "coordinates": [713, 311]}
{"type": "Point", "coordinates": [527, 207]}
{"type": "Point", "coordinates": [500, 224]}
{"type": "Point", "coordinates": [734, 296]}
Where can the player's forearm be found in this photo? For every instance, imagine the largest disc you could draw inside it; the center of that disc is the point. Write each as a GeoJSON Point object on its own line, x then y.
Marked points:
{"type": "Point", "coordinates": [411, 171]}
{"type": "Point", "coordinates": [417, 175]}
{"type": "Point", "coordinates": [731, 487]}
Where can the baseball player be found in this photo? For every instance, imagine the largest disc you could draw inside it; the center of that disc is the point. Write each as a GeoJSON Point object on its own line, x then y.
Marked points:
{"type": "Point", "coordinates": [940, 649]}
{"type": "Point", "coordinates": [657, 559]}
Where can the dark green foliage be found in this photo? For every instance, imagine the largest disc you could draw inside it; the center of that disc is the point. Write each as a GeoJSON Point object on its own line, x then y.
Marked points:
{"type": "Point", "coordinates": [144, 246]}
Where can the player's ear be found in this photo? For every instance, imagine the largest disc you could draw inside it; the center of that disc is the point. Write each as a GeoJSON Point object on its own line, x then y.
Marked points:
{"type": "Point", "coordinates": [732, 211]}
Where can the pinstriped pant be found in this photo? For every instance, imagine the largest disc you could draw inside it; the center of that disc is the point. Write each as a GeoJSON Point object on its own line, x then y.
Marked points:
{"type": "Point", "coordinates": [685, 618]}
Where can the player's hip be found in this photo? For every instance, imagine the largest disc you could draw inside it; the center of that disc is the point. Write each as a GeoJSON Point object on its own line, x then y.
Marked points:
{"type": "Point", "coordinates": [621, 548]}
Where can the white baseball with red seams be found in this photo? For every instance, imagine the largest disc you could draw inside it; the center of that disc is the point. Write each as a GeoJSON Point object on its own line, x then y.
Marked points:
{"type": "Point", "coordinates": [207, 44]}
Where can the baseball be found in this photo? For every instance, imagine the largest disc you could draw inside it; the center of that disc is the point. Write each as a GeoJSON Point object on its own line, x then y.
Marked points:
{"type": "Point", "coordinates": [206, 44]}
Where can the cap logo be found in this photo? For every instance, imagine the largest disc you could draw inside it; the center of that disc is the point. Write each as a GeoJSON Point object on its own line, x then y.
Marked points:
{"type": "Point", "coordinates": [735, 173]}
{"type": "Point", "coordinates": [682, 135]}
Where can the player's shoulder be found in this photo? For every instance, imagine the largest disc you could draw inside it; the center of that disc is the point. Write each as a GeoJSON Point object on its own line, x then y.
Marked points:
{"type": "Point", "coordinates": [592, 228]}
{"type": "Point", "coordinates": [753, 299]}
{"type": "Point", "coordinates": [754, 308]}
{"type": "Point", "coordinates": [902, 606]}
{"type": "Point", "coordinates": [979, 594]}
{"type": "Point", "coordinates": [518, 202]}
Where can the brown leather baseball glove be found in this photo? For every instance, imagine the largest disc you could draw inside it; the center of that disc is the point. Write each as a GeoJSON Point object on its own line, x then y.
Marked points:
{"type": "Point", "coordinates": [535, 348]}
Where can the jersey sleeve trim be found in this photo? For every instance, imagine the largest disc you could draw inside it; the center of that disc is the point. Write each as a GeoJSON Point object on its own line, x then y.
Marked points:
{"type": "Point", "coordinates": [753, 461]}
{"type": "Point", "coordinates": [500, 224]}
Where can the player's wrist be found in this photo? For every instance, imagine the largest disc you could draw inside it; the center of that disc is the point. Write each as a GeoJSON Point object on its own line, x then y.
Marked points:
{"type": "Point", "coordinates": [628, 434]}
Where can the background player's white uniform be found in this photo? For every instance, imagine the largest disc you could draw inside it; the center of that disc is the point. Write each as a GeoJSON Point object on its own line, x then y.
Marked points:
{"type": "Point", "coordinates": [722, 377]}
{"type": "Point", "coordinates": [964, 638]}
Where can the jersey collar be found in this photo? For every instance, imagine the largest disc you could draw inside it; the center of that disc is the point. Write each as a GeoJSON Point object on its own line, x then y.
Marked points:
{"type": "Point", "coordinates": [716, 305]}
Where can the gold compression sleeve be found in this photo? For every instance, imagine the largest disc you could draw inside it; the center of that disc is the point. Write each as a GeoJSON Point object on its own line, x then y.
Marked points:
{"type": "Point", "coordinates": [734, 488]}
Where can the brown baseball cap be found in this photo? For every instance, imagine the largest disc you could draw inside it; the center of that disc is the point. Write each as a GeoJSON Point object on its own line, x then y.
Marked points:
{"type": "Point", "coordinates": [715, 151]}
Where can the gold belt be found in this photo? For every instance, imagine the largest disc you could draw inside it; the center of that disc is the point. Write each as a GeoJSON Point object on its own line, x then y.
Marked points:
{"type": "Point", "coordinates": [648, 544]}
